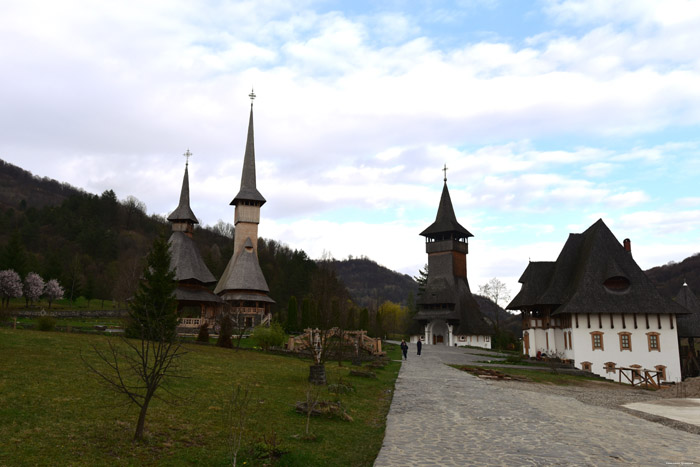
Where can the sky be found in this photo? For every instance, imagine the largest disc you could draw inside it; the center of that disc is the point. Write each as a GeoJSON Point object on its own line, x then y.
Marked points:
{"type": "Point", "coordinates": [548, 114]}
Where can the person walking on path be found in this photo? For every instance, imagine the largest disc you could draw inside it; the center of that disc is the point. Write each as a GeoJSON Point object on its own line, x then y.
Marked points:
{"type": "Point", "coordinates": [419, 346]}
{"type": "Point", "coordinates": [404, 349]}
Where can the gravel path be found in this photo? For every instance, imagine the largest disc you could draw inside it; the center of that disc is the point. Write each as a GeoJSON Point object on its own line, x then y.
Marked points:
{"type": "Point", "coordinates": [443, 416]}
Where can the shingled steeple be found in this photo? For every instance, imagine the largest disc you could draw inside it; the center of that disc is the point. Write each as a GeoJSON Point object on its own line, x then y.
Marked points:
{"type": "Point", "coordinates": [249, 191]}
{"type": "Point", "coordinates": [243, 284]}
{"type": "Point", "coordinates": [446, 225]}
{"type": "Point", "coordinates": [183, 212]}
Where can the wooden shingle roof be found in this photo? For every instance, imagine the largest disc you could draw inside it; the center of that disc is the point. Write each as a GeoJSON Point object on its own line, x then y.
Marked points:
{"type": "Point", "coordinates": [593, 274]}
{"type": "Point", "coordinates": [243, 273]}
{"type": "Point", "coordinates": [183, 212]}
{"type": "Point", "coordinates": [445, 221]}
{"type": "Point", "coordinates": [248, 190]}
{"type": "Point", "coordinates": [186, 260]}
{"type": "Point", "coordinates": [688, 325]}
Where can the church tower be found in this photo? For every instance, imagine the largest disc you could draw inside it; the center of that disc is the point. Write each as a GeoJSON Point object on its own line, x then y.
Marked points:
{"type": "Point", "coordinates": [242, 284]}
{"type": "Point", "coordinates": [194, 299]}
{"type": "Point", "coordinates": [447, 311]}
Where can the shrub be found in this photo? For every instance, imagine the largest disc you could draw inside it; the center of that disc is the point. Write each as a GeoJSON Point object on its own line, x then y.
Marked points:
{"type": "Point", "coordinates": [46, 323]}
{"type": "Point", "coordinates": [272, 336]}
{"type": "Point", "coordinates": [203, 335]}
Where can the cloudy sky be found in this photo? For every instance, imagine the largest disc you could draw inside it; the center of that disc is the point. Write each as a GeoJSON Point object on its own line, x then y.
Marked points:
{"type": "Point", "coordinates": [549, 115]}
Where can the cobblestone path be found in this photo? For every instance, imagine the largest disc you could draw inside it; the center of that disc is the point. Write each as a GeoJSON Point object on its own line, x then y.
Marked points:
{"type": "Point", "coordinates": [441, 416]}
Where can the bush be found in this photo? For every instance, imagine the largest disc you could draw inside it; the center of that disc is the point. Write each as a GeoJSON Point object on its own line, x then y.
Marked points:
{"type": "Point", "coordinates": [46, 323]}
{"type": "Point", "coordinates": [203, 335]}
{"type": "Point", "coordinates": [272, 336]}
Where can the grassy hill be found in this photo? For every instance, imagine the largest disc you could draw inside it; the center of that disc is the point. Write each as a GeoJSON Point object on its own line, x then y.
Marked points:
{"type": "Point", "coordinates": [54, 412]}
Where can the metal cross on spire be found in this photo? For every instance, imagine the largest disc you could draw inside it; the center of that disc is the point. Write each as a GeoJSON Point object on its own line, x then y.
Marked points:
{"type": "Point", "coordinates": [187, 155]}
{"type": "Point", "coordinates": [252, 96]}
{"type": "Point", "coordinates": [445, 170]}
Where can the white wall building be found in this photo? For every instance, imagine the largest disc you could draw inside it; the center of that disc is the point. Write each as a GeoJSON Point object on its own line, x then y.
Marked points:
{"type": "Point", "coordinates": [595, 307]}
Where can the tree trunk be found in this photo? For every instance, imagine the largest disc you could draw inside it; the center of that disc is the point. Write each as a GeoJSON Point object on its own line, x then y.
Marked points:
{"type": "Point", "coordinates": [317, 374]}
{"type": "Point", "coordinates": [138, 436]}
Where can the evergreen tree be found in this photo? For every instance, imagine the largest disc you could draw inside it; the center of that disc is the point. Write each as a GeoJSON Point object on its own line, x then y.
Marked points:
{"type": "Point", "coordinates": [364, 319]}
{"type": "Point", "coordinates": [335, 314]}
{"type": "Point", "coordinates": [14, 255]}
{"type": "Point", "coordinates": [305, 314]}
{"type": "Point", "coordinates": [292, 319]}
{"type": "Point", "coordinates": [153, 311]}
{"type": "Point", "coordinates": [422, 279]}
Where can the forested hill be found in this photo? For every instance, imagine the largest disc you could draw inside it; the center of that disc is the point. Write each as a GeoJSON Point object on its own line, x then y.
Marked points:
{"type": "Point", "coordinates": [95, 244]}
{"type": "Point", "coordinates": [670, 277]}
{"type": "Point", "coordinates": [19, 189]}
{"type": "Point", "coordinates": [371, 284]}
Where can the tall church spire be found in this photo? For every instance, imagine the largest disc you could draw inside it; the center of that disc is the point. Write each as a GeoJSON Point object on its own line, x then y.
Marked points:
{"type": "Point", "coordinates": [183, 212]}
{"type": "Point", "coordinates": [248, 191]}
{"type": "Point", "coordinates": [446, 221]}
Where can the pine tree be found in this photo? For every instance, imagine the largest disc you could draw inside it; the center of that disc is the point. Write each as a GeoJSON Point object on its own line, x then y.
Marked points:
{"type": "Point", "coordinates": [305, 314]}
{"type": "Point", "coordinates": [364, 319]}
{"type": "Point", "coordinates": [153, 311]}
{"type": "Point", "coordinates": [292, 319]}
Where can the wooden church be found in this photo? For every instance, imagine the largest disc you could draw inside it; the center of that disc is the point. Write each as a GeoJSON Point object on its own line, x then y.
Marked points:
{"type": "Point", "coordinates": [196, 303]}
{"type": "Point", "coordinates": [447, 312]}
{"type": "Point", "coordinates": [242, 290]}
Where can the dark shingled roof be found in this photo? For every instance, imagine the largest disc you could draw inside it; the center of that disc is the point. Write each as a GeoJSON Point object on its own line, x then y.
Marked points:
{"type": "Point", "coordinates": [248, 191]}
{"type": "Point", "coordinates": [197, 295]}
{"type": "Point", "coordinates": [445, 221]}
{"type": "Point", "coordinates": [688, 325]}
{"type": "Point", "coordinates": [186, 261]}
{"type": "Point", "coordinates": [537, 275]}
{"type": "Point", "coordinates": [242, 273]}
{"type": "Point", "coordinates": [183, 211]}
{"type": "Point", "coordinates": [575, 282]}
{"type": "Point", "coordinates": [462, 309]}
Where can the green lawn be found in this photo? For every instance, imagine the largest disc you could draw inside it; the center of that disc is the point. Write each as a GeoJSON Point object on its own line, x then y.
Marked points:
{"type": "Point", "coordinates": [54, 412]}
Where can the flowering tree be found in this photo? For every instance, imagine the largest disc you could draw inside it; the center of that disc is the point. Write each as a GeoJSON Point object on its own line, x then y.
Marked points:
{"type": "Point", "coordinates": [10, 286]}
{"type": "Point", "coordinates": [53, 291]}
{"type": "Point", "coordinates": [33, 287]}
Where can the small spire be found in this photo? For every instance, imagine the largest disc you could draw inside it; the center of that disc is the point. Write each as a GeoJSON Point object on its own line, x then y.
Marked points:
{"type": "Point", "coordinates": [445, 170]}
{"type": "Point", "coordinates": [187, 155]}
{"type": "Point", "coordinates": [252, 96]}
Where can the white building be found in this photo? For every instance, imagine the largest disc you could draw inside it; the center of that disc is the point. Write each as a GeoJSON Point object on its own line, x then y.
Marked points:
{"type": "Point", "coordinates": [595, 307]}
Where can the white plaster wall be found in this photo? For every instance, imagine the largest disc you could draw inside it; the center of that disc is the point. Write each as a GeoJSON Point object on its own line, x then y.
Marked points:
{"type": "Point", "coordinates": [639, 355]}
{"type": "Point", "coordinates": [475, 341]}
{"type": "Point", "coordinates": [538, 342]}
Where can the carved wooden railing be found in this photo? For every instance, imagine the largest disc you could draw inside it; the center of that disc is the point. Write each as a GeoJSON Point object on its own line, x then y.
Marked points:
{"type": "Point", "coordinates": [363, 341]}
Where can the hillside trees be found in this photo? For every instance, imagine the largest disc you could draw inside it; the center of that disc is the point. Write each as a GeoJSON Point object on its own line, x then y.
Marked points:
{"type": "Point", "coordinates": [53, 291]}
{"type": "Point", "coordinates": [10, 286]}
{"type": "Point", "coordinates": [33, 287]}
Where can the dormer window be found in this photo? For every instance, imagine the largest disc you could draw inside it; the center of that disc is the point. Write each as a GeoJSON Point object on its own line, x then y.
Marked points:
{"type": "Point", "coordinates": [617, 284]}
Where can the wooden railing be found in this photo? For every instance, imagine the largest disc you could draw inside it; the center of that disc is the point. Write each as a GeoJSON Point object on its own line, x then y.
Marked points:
{"type": "Point", "coordinates": [641, 376]}
{"type": "Point", "coordinates": [363, 341]}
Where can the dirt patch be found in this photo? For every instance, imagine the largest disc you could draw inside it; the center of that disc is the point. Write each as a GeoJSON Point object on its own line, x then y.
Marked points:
{"type": "Point", "coordinates": [690, 388]}
{"type": "Point", "coordinates": [491, 374]}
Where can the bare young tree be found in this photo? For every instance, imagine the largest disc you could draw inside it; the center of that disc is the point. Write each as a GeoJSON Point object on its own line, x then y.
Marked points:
{"type": "Point", "coordinates": [496, 291]}
{"type": "Point", "coordinates": [236, 413]}
{"type": "Point", "coordinates": [139, 367]}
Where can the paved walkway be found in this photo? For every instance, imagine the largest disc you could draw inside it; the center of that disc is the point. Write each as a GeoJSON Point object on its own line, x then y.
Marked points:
{"type": "Point", "coordinates": [441, 416]}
